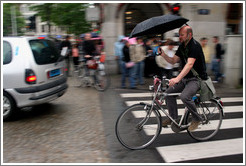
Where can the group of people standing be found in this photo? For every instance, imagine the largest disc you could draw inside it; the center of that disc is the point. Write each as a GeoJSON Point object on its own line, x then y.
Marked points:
{"type": "Point", "coordinates": [132, 60]}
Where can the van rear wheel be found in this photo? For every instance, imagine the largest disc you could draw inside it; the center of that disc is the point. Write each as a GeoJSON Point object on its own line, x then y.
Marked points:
{"type": "Point", "coordinates": [9, 107]}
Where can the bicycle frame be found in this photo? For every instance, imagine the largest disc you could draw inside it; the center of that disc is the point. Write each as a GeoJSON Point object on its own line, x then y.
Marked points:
{"type": "Point", "coordinates": [157, 103]}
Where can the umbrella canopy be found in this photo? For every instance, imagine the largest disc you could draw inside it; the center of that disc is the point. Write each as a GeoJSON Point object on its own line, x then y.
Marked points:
{"type": "Point", "coordinates": [158, 25]}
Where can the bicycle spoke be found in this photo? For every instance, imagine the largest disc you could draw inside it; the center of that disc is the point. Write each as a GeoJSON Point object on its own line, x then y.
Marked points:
{"type": "Point", "coordinates": [133, 131]}
{"type": "Point", "coordinates": [211, 124]}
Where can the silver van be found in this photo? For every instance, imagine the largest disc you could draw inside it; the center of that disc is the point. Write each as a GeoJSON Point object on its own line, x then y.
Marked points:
{"type": "Point", "coordinates": [33, 73]}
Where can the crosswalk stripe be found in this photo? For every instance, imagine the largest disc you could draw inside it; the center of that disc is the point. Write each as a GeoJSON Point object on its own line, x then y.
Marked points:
{"type": "Point", "coordinates": [132, 95]}
{"type": "Point", "coordinates": [125, 95]}
{"type": "Point", "coordinates": [226, 124]}
{"type": "Point", "coordinates": [227, 109]}
{"type": "Point", "coordinates": [193, 151]}
{"type": "Point", "coordinates": [224, 100]}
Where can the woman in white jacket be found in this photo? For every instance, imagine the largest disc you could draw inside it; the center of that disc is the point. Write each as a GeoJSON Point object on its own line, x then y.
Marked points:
{"type": "Point", "coordinates": [165, 67]}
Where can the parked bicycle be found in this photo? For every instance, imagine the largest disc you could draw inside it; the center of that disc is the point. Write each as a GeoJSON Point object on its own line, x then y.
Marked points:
{"type": "Point", "coordinates": [140, 124]}
{"type": "Point", "coordinates": [92, 73]}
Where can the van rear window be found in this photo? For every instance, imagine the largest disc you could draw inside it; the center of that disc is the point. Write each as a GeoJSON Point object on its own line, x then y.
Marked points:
{"type": "Point", "coordinates": [44, 51]}
{"type": "Point", "coordinates": [7, 53]}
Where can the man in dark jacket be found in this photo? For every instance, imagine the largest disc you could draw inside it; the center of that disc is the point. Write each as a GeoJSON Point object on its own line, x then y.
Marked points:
{"type": "Point", "coordinates": [88, 47]}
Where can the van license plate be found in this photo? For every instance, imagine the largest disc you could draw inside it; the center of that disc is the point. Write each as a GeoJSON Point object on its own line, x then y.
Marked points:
{"type": "Point", "coordinates": [54, 73]}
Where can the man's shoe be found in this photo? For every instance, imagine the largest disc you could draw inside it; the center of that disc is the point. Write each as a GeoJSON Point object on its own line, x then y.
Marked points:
{"type": "Point", "coordinates": [194, 125]}
{"type": "Point", "coordinates": [166, 122]}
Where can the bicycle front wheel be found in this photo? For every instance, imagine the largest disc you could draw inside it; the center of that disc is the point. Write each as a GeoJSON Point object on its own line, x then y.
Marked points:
{"type": "Point", "coordinates": [211, 113]}
{"type": "Point", "coordinates": [137, 127]}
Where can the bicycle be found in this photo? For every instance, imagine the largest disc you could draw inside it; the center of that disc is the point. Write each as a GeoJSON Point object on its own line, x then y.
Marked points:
{"type": "Point", "coordinates": [139, 125]}
{"type": "Point", "coordinates": [92, 73]}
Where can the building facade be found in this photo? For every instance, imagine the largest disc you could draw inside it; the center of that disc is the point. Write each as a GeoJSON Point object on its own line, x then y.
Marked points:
{"type": "Point", "coordinates": [115, 19]}
{"type": "Point", "coordinates": [206, 19]}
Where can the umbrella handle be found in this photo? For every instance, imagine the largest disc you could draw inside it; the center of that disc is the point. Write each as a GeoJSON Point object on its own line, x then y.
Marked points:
{"type": "Point", "coordinates": [159, 49]}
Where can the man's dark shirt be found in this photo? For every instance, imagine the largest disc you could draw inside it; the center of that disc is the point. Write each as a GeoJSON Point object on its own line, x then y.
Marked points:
{"type": "Point", "coordinates": [219, 51]}
{"type": "Point", "coordinates": [126, 54]}
{"type": "Point", "coordinates": [65, 43]}
{"type": "Point", "coordinates": [89, 47]}
{"type": "Point", "coordinates": [194, 50]}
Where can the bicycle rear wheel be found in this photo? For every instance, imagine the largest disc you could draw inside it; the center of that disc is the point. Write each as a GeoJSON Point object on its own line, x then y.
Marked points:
{"type": "Point", "coordinates": [102, 81]}
{"type": "Point", "coordinates": [135, 129]}
{"type": "Point", "coordinates": [79, 75]}
{"type": "Point", "coordinates": [211, 113]}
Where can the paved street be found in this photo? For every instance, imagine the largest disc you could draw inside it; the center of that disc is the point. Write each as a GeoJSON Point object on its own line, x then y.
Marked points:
{"type": "Point", "coordinates": [79, 128]}
{"type": "Point", "coordinates": [67, 130]}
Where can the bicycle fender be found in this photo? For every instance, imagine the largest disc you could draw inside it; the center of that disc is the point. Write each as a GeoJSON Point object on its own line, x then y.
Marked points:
{"type": "Point", "coordinates": [217, 100]}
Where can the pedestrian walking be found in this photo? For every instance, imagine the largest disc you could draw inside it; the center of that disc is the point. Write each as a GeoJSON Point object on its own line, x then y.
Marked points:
{"type": "Point", "coordinates": [137, 55]}
{"type": "Point", "coordinates": [217, 59]}
{"type": "Point", "coordinates": [75, 55]}
{"type": "Point", "coordinates": [191, 56]}
{"type": "Point", "coordinates": [206, 52]}
{"type": "Point", "coordinates": [118, 52]}
{"type": "Point", "coordinates": [66, 44]}
{"type": "Point", "coordinates": [127, 67]}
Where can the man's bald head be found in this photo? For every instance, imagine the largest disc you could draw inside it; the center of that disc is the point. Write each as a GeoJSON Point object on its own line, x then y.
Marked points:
{"type": "Point", "coordinates": [187, 29]}
{"type": "Point", "coordinates": [185, 34]}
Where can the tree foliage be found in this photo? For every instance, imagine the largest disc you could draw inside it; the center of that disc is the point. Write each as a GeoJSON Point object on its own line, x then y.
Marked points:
{"type": "Point", "coordinates": [68, 15]}
{"type": "Point", "coordinates": [7, 24]}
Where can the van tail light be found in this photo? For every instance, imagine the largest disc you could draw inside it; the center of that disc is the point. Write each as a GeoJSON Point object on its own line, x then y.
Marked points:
{"type": "Point", "coordinates": [30, 77]}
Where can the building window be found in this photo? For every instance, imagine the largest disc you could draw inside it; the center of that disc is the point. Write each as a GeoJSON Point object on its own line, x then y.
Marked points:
{"type": "Point", "coordinates": [136, 13]}
{"type": "Point", "coordinates": [43, 28]}
{"type": "Point", "coordinates": [234, 15]}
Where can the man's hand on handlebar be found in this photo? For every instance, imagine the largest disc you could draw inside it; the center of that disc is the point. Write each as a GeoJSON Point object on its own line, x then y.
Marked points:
{"type": "Point", "coordinates": [173, 81]}
{"type": "Point", "coordinates": [88, 56]}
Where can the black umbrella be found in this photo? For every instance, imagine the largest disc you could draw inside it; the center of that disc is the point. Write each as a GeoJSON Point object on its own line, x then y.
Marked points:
{"type": "Point", "coordinates": [158, 25]}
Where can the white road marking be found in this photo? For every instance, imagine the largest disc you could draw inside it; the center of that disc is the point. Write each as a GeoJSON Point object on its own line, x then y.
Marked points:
{"type": "Point", "coordinates": [200, 150]}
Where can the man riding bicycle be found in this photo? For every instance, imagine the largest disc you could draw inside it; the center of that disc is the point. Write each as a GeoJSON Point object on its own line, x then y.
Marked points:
{"type": "Point", "coordinates": [191, 56]}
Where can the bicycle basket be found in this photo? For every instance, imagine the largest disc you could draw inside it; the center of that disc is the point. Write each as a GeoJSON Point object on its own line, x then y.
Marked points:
{"type": "Point", "coordinates": [92, 64]}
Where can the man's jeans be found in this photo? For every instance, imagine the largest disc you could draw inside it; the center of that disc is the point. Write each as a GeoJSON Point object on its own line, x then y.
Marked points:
{"type": "Point", "coordinates": [188, 87]}
{"type": "Point", "coordinates": [127, 72]}
{"type": "Point", "coordinates": [216, 69]}
{"type": "Point", "coordinates": [139, 72]}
